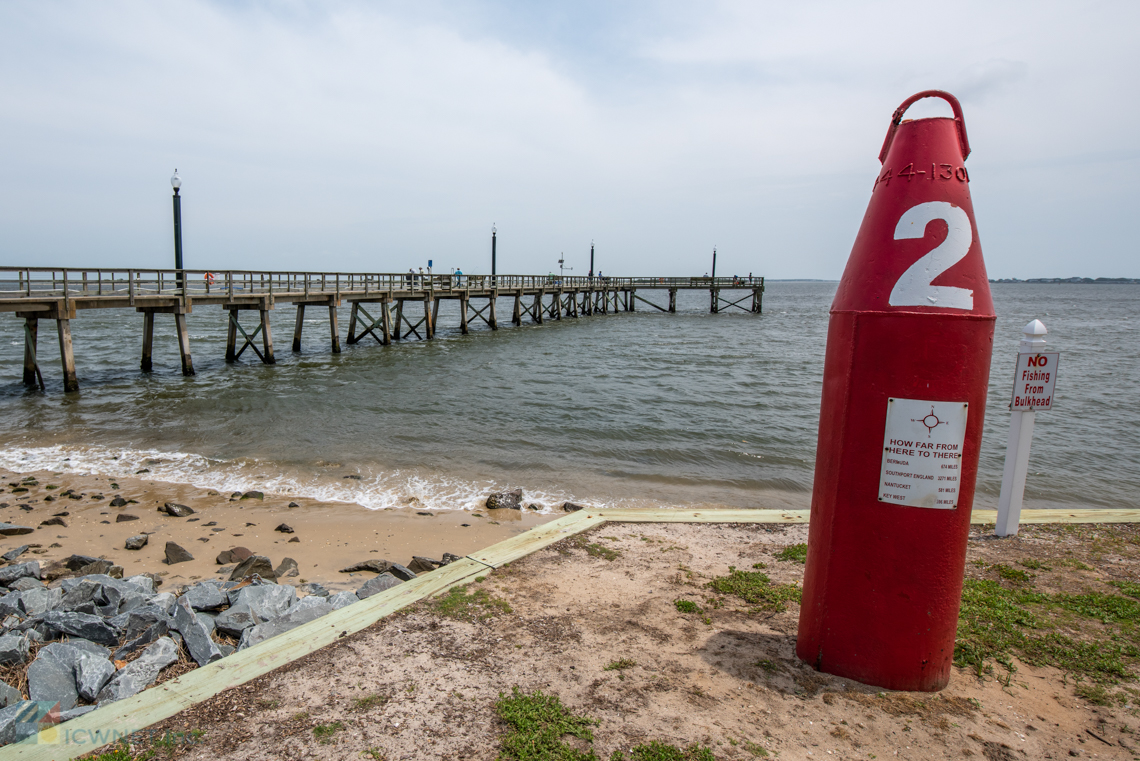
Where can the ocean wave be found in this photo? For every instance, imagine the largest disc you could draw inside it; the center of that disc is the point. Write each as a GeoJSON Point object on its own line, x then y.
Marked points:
{"type": "Point", "coordinates": [393, 489]}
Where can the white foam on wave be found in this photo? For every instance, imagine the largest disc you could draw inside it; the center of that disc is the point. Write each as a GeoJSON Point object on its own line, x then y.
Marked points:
{"type": "Point", "coordinates": [392, 489]}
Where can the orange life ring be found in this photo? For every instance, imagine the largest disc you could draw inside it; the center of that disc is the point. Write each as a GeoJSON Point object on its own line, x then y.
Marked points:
{"type": "Point", "coordinates": [209, 278]}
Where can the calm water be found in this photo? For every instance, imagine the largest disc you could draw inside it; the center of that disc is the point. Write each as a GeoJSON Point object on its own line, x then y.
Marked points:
{"type": "Point", "coordinates": [633, 409]}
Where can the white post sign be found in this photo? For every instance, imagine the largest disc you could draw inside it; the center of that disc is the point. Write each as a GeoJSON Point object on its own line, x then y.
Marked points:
{"type": "Point", "coordinates": [922, 453]}
{"type": "Point", "coordinates": [1033, 384]}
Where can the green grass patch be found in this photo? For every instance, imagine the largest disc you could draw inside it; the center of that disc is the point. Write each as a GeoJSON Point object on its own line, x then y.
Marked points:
{"type": "Point", "coordinates": [537, 724]}
{"type": "Point", "coordinates": [480, 605]}
{"type": "Point", "coordinates": [620, 665]}
{"type": "Point", "coordinates": [795, 553]}
{"type": "Point", "coordinates": [659, 751]}
{"type": "Point", "coordinates": [687, 606]}
{"type": "Point", "coordinates": [324, 732]}
{"type": "Point", "coordinates": [1130, 588]}
{"type": "Point", "coordinates": [756, 588]}
{"type": "Point", "coordinates": [1011, 574]}
{"type": "Point", "coordinates": [601, 551]}
{"type": "Point", "coordinates": [1034, 565]}
{"type": "Point", "coordinates": [369, 702]}
{"type": "Point", "coordinates": [996, 623]}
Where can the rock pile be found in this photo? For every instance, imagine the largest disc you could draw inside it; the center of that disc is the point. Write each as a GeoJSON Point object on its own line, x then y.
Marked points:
{"type": "Point", "coordinates": [97, 637]}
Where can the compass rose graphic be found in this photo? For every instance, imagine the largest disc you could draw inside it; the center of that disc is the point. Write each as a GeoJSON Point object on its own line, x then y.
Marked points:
{"type": "Point", "coordinates": [931, 421]}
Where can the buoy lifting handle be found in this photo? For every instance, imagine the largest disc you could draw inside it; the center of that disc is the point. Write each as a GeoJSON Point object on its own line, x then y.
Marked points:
{"type": "Point", "coordinates": [959, 122]}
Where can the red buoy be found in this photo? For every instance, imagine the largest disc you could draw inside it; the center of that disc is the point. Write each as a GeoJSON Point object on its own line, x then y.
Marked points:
{"type": "Point", "coordinates": [900, 427]}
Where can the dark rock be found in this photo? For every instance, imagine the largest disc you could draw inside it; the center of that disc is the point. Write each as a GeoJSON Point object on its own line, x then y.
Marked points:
{"type": "Point", "coordinates": [141, 672]}
{"type": "Point", "coordinates": [233, 555]}
{"type": "Point", "coordinates": [137, 542]}
{"type": "Point", "coordinates": [91, 673]}
{"type": "Point", "coordinates": [12, 554]}
{"type": "Point", "coordinates": [423, 565]}
{"type": "Point", "coordinates": [377, 584]}
{"type": "Point", "coordinates": [51, 676]}
{"type": "Point", "coordinates": [81, 625]}
{"type": "Point", "coordinates": [449, 558]}
{"type": "Point", "coordinates": [124, 517]}
{"type": "Point", "coordinates": [9, 695]}
{"type": "Point", "coordinates": [353, 477]}
{"type": "Point", "coordinates": [296, 616]}
{"type": "Point", "coordinates": [254, 605]}
{"type": "Point", "coordinates": [54, 522]}
{"type": "Point", "coordinates": [99, 567]}
{"type": "Point", "coordinates": [75, 713]}
{"type": "Point", "coordinates": [13, 648]}
{"type": "Point", "coordinates": [382, 566]}
{"type": "Point", "coordinates": [288, 567]}
{"type": "Point", "coordinates": [39, 600]}
{"type": "Point", "coordinates": [284, 529]}
{"type": "Point", "coordinates": [68, 566]}
{"type": "Point", "coordinates": [176, 510]}
{"type": "Point", "coordinates": [64, 514]}
{"type": "Point", "coordinates": [20, 721]}
{"type": "Point", "coordinates": [295, 539]}
{"type": "Point", "coordinates": [293, 504]}
{"type": "Point", "coordinates": [341, 599]}
{"type": "Point", "coordinates": [511, 500]}
{"type": "Point", "coordinates": [24, 584]}
{"type": "Point", "coordinates": [8, 529]}
{"type": "Point", "coordinates": [150, 634]}
{"type": "Point", "coordinates": [533, 506]}
{"type": "Point", "coordinates": [570, 507]}
{"type": "Point", "coordinates": [206, 596]}
{"type": "Point", "coordinates": [8, 574]}
{"type": "Point", "coordinates": [313, 588]}
{"type": "Point", "coordinates": [253, 495]}
{"type": "Point", "coordinates": [255, 564]}
{"type": "Point", "coordinates": [194, 633]}
{"type": "Point", "coordinates": [118, 502]}
{"type": "Point", "coordinates": [176, 554]}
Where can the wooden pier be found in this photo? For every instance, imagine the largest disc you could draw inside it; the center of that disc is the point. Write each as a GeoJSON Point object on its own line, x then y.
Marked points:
{"type": "Point", "coordinates": [385, 307]}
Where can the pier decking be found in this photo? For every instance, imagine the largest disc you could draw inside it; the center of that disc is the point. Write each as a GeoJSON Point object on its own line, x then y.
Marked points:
{"type": "Point", "coordinates": [35, 293]}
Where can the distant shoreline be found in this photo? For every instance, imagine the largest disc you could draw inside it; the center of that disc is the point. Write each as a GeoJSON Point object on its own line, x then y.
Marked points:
{"type": "Point", "coordinates": [1079, 280]}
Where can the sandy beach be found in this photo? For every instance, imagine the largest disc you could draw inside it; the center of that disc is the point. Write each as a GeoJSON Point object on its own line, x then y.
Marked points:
{"type": "Point", "coordinates": [632, 629]}
{"type": "Point", "coordinates": [326, 536]}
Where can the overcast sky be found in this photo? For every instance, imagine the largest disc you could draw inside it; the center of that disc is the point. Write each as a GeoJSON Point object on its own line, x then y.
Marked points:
{"type": "Point", "coordinates": [375, 136]}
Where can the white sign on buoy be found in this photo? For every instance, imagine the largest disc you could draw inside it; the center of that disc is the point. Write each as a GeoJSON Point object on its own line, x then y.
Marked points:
{"type": "Point", "coordinates": [1034, 381]}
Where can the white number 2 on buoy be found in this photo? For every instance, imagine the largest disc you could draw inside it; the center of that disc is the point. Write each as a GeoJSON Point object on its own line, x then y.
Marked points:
{"type": "Point", "coordinates": [913, 288]}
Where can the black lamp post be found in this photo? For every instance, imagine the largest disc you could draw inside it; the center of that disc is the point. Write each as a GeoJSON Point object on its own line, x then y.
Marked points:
{"type": "Point", "coordinates": [493, 234]}
{"type": "Point", "coordinates": [714, 265]}
{"type": "Point", "coordinates": [176, 183]}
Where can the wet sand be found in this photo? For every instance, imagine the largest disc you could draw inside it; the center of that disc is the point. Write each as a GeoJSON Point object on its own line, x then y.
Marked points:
{"type": "Point", "coordinates": [330, 535]}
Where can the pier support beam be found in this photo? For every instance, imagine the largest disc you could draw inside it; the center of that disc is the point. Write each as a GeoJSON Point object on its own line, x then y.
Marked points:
{"type": "Point", "coordinates": [266, 339]}
{"type": "Point", "coordinates": [334, 328]}
{"type": "Point", "coordinates": [715, 301]}
{"type": "Point", "coordinates": [463, 315]}
{"type": "Point", "coordinates": [352, 324]}
{"type": "Point", "coordinates": [536, 308]}
{"type": "Point", "coordinates": [231, 336]}
{"type": "Point", "coordinates": [386, 322]}
{"type": "Point", "coordinates": [396, 334]}
{"type": "Point", "coordinates": [516, 318]}
{"type": "Point", "coordinates": [31, 366]}
{"type": "Point", "coordinates": [673, 300]}
{"type": "Point", "coordinates": [67, 356]}
{"type": "Point", "coordinates": [148, 342]}
{"type": "Point", "coordinates": [494, 320]}
{"type": "Point", "coordinates": [431, 311]}
{"type": "Point", "coordinates": [630, 300]}
{"type": "Point", "coordinates": [758, 300]}
{"type": "Point", "coordinates": [297, 328]}
{"type": "Point", "coordinates": [184, 342]}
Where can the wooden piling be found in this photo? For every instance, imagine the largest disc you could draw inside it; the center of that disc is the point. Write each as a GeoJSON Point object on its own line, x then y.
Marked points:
{"type": "Point", "coordinates": [673, 300]}
{"type": "Point", "coordinates": [494, 320]}
{"type": "Point", "coordinates": [630, 300]}
{"type": "Point", "coordinates": [267, 338]}
{"type": "Point", "coordinates": [386, 322]}
{"type": "Point", "coordinates": [148, 342]}
{"type": "Point", "coordinates": [431, 309]}
{"type": "Point", "coordinates": [463, 315]}
{"type": "Point", "coordinates": [67, 355]}
{"type": "Point", "coordinates": [536, 308]}
{"type": "Point", "coordinates": [298, 326]}
{"type": "Point", "coordinates": [334, 329]}
{"type": "Point", "coordinates": [352, 317]}
{"type": "Point", "coordinates": [758, 300]}
{"type": "Point", "coordinates": [396, 334]}
{"type": "Point", "coordinates": [231, 337]}
{"type": "Point", "coordinates": [516, 318]}
{"type": "Point", "coordinates": [715, 298]}
{"type": "Point", "coordinates": [184, 342]}
{"type": "Point", "coordinates": [31, 336]}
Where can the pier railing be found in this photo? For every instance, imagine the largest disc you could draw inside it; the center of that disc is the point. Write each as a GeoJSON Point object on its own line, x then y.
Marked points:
{"type": "Point", "coordinates": [64, 282]}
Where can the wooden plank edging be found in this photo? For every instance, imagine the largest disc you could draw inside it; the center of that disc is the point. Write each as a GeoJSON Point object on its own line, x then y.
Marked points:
{"type": "Point", "coordinates": [117, 720]}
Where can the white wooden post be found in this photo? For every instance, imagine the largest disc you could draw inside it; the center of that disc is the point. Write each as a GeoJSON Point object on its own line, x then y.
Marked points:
{"type": "Point", "coordinates": [1017, 449]}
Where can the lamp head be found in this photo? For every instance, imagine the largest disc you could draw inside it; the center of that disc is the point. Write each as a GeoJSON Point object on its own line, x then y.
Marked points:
{"type": "Point", "coordinates": [176, 181]}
